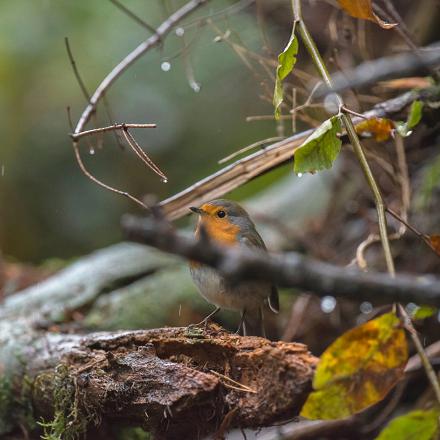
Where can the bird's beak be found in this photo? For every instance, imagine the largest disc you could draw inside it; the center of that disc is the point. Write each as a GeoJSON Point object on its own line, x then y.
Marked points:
{"type": "Point", "coordinates": [196, 210]}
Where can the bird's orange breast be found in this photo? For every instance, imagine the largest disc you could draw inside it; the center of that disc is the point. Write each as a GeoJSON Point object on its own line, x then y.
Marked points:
{"type": "Point", "coordinates": [218, 230]}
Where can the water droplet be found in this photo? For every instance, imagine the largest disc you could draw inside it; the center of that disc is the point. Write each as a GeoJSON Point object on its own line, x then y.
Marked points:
{"type": "Point", "coordinates": [300, 174]}
{"type": "Point", "coordinates": [366, 307]}
{"type": "Point", "coordinates": [3, 170]}
{"type": "Point", "coordinates": [180, 31]}
{"type": "Point", "coordinates": [328, 304]}
{"type": "Point", "coordinates": [195, 86]}
{"type": "Point", "coordinates": [92, 151]}
{"type": "Point", "coordinates": [165, 66]}
{"type": "Point", "coordinates": [411, 308]}
{"type": "Point", "coordinates": [331, 103]}
{"type": "Point", "coordinates": [164, 180]}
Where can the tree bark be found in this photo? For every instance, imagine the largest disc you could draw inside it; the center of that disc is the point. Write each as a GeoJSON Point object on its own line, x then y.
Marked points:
{"type": "Point", "coordinates": [175, 382]}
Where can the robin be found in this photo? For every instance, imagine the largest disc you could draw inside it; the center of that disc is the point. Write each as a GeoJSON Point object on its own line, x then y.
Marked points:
{"type": "Point", "coordinates": [228, 224]}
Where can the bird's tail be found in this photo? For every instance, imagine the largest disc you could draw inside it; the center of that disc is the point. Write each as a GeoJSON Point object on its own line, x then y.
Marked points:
{"type": "Point", "coordinates": [253, 323]}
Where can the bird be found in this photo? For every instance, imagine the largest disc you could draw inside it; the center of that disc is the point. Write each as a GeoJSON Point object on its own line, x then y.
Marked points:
{"type": "Point", "coordinates": [228, 224]}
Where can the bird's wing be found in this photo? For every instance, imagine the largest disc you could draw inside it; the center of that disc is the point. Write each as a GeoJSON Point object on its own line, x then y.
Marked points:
{"type": "Point", "coordinates": [255, 240]}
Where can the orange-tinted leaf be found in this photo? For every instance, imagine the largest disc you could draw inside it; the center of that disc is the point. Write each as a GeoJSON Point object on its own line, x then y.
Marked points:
{"type": "Point", "coordinates": [358, 369]}
{"type": "Point", "coordinates": [435, 243]}
{"type": "Point", "coordinates": [364, 9]}
{"type": "Point", "coordinates": [381, 128]}
{"type": "Point", "coordinates": [415, 82]}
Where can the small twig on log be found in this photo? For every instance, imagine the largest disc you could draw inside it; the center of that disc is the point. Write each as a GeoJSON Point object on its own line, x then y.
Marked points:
{"type": "Point", "coordinates": [286, 270]}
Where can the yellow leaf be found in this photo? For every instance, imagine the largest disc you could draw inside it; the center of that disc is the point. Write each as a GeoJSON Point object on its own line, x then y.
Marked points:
{"type": "Point", "coordinates": [364, 9]}
{"type": "Point", "coordinates": [358, 369]}
{"type": "Point", "coordinates": [381, 128]}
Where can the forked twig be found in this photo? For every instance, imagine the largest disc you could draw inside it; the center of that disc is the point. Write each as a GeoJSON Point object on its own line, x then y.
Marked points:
{"type": "Point", "coordinates": [76, 136]}
{"type": "Point", "coordinates": [111, 77]}
{"type": "Point", "coordinates": [142, 155]}
{"type": "Point", "coordinates": [102, 184]}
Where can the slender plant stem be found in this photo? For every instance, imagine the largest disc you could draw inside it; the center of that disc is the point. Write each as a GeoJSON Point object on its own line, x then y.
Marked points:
{"type": "Point", "coordinates": [430, 373]}
{"type": "Point", "coordinates": [351, 132]}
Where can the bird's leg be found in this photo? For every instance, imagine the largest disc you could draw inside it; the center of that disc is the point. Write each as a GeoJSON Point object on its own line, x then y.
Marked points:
{"type": "Point", "coordinates": [240, 325]}
{"type": "Point", "coordinates": [205, 320]}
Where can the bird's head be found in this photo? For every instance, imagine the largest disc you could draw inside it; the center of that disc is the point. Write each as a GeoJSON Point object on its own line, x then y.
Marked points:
{"type": "Point", "coordinates": [223, 220]}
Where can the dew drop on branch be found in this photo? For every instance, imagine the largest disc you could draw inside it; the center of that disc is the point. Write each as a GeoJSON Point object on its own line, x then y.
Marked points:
{"type": "Point", "coordinates": [328, 304]}
{"type": "Point", "coordinates": [180, 31]}
{"type": "Point", "coordinates": [165, 66]}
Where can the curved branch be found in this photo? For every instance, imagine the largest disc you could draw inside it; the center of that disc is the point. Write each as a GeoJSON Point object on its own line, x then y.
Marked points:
{"type": "Point", "coordinates": [133, 56]}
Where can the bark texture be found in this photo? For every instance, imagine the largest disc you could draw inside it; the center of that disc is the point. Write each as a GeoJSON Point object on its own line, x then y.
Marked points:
{"type": "Point", "coordinates": [175, 382]}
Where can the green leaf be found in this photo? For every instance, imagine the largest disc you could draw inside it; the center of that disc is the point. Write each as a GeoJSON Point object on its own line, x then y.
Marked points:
{"type": "Point", "coordinates": [286, 62]}
{"type": "Point", "coordinates": [420, 425]}
{"type": "Point", "coordinates": [358, 369]}
{"type": "Point", "coordinates": [423, 312]}
{"type": "Point", "coordinates": [414, 117]}
{"type": "Point", "coordinates": [320, 149]}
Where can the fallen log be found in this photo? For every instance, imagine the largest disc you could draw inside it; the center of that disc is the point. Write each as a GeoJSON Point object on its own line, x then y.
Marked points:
{"type": "Point", "coordinates": [174, 382]}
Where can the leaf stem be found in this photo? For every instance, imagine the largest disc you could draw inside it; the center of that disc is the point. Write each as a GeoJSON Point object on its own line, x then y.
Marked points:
{"type": "Point", "coordinates": [351, 132]}
{"type": "Point", "coordinates": [423, 356]}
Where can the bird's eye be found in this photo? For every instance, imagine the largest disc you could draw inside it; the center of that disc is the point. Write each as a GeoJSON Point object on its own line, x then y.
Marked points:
{"type": "Point", "coordinates": [221, 214]}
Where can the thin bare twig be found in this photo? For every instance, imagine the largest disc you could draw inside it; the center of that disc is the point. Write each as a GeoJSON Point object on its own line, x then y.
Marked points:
{"type": "Point", "coordinates": [133, 56]}
{"type": "Point", "coordinates": [142, 155]}
{"type": "Point", "coordinates": [421, 235]}
{"type": "Point", "coordinates": [430, 373]}
{"type": "Point", "coordinates": [76, 71]}
{"type": "Point", "coordinates": [100, 183]}
{"type": "Point", "coordinates": [238, 386]}
{"type": "Point", "coordinates": [76, 136]}
{"type": "Point", "coordinates": [133, 16]}
{"type": "Point", "coordinates": [250, 147]}
{"type": "Point", "coordinates": [115, 73]}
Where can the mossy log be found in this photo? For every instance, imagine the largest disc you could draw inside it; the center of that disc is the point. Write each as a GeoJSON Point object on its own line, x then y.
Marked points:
{"type": "Point", "coordinates": [174, 382]}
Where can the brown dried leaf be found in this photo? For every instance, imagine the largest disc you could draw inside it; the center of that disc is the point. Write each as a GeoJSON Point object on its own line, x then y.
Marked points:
{"type": "Point", "coordinates": [435, 243]}
{"type": "Point", "coordinates": [364, 9]}
{"type": "Point", "coordinates": [381, 128]}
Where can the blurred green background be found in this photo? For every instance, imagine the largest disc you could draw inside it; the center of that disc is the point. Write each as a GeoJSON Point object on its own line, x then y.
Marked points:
{"type": "Point", "coordinates": [47, 207]}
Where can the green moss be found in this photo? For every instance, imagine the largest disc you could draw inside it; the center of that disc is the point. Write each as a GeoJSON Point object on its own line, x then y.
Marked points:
{"type": "Point", "coordinates": [133, 434]}
{"type": "Point", "coordinates": [15, 404]}
{"type": "Point", "coordinates": [67, 422]}
{"type": "Point", "coordinates": [6, 404]}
